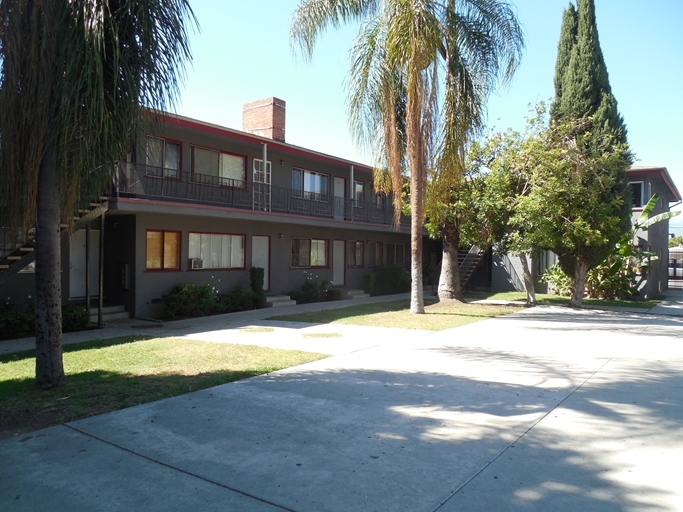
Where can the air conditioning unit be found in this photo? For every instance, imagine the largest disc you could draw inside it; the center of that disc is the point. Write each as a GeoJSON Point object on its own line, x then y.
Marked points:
{"type": "Point", "coordinates": [196, 263]}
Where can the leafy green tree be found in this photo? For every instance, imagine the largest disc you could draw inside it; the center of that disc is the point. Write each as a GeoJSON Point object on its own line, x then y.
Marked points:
{"type": "Point", "coordinates": [509, 163]}
{"type": "Point", "coordinates": [675, 241]}
{"type": "Point", "coordinates": [74, 78]}
{"type": "Point", "coordinates": [404, 52]}
{"type": "Point", "coordinates": [617, 276]}
{"type": "Point", "coordinates": [584, 100]}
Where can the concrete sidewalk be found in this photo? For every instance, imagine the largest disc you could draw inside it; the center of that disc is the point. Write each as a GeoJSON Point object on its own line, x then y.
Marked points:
{"type": "Point", "coordinates": [546, 409]}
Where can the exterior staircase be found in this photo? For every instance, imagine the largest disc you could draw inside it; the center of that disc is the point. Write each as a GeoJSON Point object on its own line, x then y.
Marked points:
{"type": "Point", "coordinates": [468, 259]}
{"type": "Point", "coordinates": [15, 254]}
{"type": "Point", "coordinates": [278, 301]}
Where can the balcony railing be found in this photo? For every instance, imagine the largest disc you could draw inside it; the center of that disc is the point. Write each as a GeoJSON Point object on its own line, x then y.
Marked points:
{"type": "Point", "coordinates": [153, 182]}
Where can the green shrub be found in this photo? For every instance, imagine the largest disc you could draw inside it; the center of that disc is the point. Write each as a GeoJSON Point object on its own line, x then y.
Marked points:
{"type": "Point", "coordinates": [390, 279]}
{"type": "Point", "coordinates": [238, 299]}
{"type": "Point", "coordinates": [256, 281]}
{"type": "Point", "coordinates": [314, 291]}
{"type": "Point", "coordinates": [561, 282]}
{"type": "Point", "coordinates": [15, 321]}
{"type": "Point", "coordinates": [369, 283]}
{"type": "Point", "coordinates": [190, 300]}
{"type": "Point", "coordinates": [75, 318]}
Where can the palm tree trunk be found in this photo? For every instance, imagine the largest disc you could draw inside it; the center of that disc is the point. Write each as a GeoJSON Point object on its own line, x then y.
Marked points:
{"type": "Point", "coordinates": [528, 281]}
{"type": "Point", "coordinates": [416, 211]}
{"type": "Point", "coordinates": [580, 275]}
{"type": "Point", "coordinates": [449, 279]}
{"type": "Point", "coordinates": [49, 365]}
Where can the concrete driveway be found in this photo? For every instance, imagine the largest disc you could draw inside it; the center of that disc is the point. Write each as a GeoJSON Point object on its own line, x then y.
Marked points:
{"type": "Point", "coordinates": [547, 409]}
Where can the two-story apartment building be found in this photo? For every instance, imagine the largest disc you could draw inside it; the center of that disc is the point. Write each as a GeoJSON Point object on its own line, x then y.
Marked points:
{"type": "Point", "coordinates": [200, 203]}
{"type": "Point", "coordinates": [503, 273]}
{"type": "Point", "coordinates": [645, 182]}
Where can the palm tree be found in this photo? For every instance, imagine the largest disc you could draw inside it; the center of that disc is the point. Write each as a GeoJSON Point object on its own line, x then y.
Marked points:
{"type": "Point", "coordinates": [75, 79]}
{"type": "Point", "coordinates": [416, 85]}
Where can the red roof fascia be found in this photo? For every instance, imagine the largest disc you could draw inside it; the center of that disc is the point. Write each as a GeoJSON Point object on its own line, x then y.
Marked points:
{"type": "Point", "coordinates": [660, 171]}
{"type": "Point", "coordinates": [185, 122]}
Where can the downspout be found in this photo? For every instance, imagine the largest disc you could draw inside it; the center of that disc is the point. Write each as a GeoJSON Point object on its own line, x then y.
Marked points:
{"type": "Point", "coordinates": [264, 169]}
{"type": "Point", "coordinates": [352, 194]}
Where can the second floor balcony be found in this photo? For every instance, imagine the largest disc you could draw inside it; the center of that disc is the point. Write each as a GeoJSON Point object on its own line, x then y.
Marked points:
{"type": "Point", "coordinates": [146, 182]}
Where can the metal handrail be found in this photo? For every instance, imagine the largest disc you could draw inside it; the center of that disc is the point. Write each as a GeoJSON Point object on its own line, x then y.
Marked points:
{"type": "Point", "coordinates": [146, 181]}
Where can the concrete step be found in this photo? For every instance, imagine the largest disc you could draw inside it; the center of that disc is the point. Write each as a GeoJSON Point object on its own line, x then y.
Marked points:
{"type": "Point", "coordinates": [107, 309]}
{"type": "Point", "coordinates": [110, 316]}
{"type": "Point", "coordinates": [277, 301]}
{"type": "Point", "coordinates": [354, 294]}
{"type": "Point", "coordinates": [109, 313]}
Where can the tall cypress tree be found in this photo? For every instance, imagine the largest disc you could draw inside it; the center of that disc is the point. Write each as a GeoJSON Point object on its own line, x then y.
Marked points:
{"type": "Point", "coordinates": [564, 53]}
{"type": "Point", "coordinates": [584, 99]}
{"type": "Point", "coordinates": [581, 81]}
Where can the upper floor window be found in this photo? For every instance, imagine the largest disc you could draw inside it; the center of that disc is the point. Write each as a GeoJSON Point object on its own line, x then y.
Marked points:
{"type": "Point", "coordinates": [640, 196]}
{"type": "Point", "coordinates": [358, 193]}
{"type": "Point", "coordinates": [162, 250]}
{"type": "Point", "coordinates": [262, 175]}
{"type": "Point", "coordinates": [223, 168]}
{"type": "Point", "coordinates": [215, 250]}
{"type": "Point", "coordinates": [162, 157]}
{"type": "Point", "coordinates": [310, 184]}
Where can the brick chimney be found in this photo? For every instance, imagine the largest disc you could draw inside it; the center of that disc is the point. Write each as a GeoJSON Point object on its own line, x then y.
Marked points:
{"type": "Point", "coordinates": [265, 118]}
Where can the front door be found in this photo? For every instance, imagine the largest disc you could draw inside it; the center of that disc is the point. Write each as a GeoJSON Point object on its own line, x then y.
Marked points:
{"type": "Point", "coordinates": [338, 252]}
{"type": "Point", "coordinates": [77, 264]}
{"type": "Point", "coordinates": [339, 190]}
{"type": "Point", "coordinates": [260, 257]}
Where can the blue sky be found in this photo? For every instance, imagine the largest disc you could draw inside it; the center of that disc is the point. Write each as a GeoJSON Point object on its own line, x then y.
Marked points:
{"type": "Point", "coordinates": [242, 53]}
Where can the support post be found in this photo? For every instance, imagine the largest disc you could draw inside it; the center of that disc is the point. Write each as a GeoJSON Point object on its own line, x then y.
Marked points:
{"type": "Point", "coordinates": [100, 321]}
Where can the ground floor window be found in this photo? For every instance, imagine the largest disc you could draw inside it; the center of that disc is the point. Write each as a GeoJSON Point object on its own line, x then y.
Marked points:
{"type": "Point", "coordinates": [396, 254]}
{"type": "Point", "coordinates": [355, 253]}
{"type": "Point", "coordinates": [162, 250]}
{"type": "Point", "coordinates": [216, 250]}
{"type": "Point", "coordinates": [309, 252]}
{"type": "Point", "coordinates": [375, 254]}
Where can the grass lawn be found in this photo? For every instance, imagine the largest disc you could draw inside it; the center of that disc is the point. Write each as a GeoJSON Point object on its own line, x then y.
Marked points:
{"type": "Point", "coordinates": [121, 372]}
{"type": "Point", "coordinates": [556, 299]}
{"type": "Point", "coordinates": [438, 316]}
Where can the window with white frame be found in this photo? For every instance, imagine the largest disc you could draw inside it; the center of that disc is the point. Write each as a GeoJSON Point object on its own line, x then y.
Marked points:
{"type": "Point", "coordinates": [262, 175]}
{"type": "Point", "coordinates": [162, 158]}
{"type": "Point", "coordinates": [310, 184]}
{"type": "Point", "coordinates": [224, 169]}
{"type": "Point", "coordinates": [216, 250]}
{"type": "Point", "coordinates": [309, 252]}
{"type": "Point", "coordinates": [355, 253]}
{"type": "Point", "coordinates": [396, 254]}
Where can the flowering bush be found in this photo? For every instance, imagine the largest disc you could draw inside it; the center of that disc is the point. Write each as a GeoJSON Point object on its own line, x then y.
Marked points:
{"type": "Point", "coordinates": [314, 291]}
{"type": "Point", "coordinates": [191, 300]}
